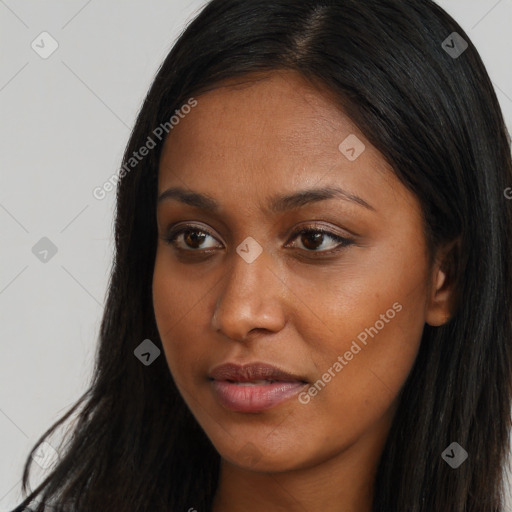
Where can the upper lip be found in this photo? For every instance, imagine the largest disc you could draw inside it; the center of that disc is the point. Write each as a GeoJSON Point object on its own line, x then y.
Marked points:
{"type": "Point", "coordinates": [251, 372]}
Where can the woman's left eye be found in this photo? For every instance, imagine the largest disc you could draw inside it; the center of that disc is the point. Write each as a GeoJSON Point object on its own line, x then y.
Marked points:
{"type": "Point", "coordinates": [312, 239]}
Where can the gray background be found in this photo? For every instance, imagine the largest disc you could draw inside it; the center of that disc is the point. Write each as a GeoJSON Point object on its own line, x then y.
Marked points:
{"type": "Point", "coordinates": [65, 122]}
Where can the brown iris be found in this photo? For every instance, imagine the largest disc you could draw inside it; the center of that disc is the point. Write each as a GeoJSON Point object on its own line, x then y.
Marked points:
{"type": "Point", "coordinates": [194, 238]}
{"type": "Point", "coordinates": [314, 239]}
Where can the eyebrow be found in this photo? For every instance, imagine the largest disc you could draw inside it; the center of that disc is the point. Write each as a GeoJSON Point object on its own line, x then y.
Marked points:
{"type": "Point", "coordinates": [277, 204]}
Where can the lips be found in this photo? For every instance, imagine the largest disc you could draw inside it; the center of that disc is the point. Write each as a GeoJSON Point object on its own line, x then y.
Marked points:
{"type": "Point", "coordinates": [253, 387]}
{"type": "Point", "coordinates": [252, 372]}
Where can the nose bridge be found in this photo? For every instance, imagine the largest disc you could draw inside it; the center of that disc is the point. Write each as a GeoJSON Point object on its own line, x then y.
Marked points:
{"type": "Point", "coordinates": [249, 297]}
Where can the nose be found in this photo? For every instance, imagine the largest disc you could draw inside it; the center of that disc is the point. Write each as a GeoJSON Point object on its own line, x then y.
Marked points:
{"type": "Point", "coordinates": [251, 299]}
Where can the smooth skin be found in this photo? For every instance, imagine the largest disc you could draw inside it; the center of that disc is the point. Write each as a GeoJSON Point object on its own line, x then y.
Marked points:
{"type": "Point", "coordinates": [294, 306]}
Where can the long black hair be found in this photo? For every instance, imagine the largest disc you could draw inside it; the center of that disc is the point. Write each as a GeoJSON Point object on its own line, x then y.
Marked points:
{"type": "Point", "coordinates": [427, 104]}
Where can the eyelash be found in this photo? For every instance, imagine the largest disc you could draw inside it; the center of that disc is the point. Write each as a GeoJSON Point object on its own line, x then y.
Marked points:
{"type": "Point", "coordinates": [343, 242]}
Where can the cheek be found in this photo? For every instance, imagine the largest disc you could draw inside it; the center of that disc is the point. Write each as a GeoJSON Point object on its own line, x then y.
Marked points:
{"type": "Point", "coordinates": [366, 336]}
{"type": "Point", "coordinates": [360, 374]}
{"type": "Point", "coordinates": [176, 307]}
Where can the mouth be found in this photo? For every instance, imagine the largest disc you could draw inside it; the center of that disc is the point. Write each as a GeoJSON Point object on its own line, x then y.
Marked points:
{"type": "Point", "coordinates": [254, 387]}
{"type": "Point", "coordinates": [252, 382]}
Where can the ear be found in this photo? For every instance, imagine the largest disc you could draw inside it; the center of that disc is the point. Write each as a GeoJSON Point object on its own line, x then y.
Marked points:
{"type": "Point", "coordinates": [442, 292]}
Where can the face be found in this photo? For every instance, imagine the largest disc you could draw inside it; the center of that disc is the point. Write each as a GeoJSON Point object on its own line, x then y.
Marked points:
{"type": "Point", "coordinates": [289, 250]}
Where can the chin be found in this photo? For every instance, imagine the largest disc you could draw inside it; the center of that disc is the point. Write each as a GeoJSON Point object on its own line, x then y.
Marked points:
{"type": "Point", "coordinates": [261, 457]}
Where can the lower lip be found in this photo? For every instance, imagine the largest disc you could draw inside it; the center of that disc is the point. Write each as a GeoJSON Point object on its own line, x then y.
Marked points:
{"type": "Point", "coordinates": [254, 398]}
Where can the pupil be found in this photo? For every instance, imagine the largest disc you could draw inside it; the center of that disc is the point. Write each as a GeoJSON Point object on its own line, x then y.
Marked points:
{"type": "Point", "coordinates": [194, 238]}
{"type": "Point", "coordinates": [313, 240]}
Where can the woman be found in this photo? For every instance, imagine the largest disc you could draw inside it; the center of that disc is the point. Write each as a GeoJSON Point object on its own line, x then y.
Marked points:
{"type": "Point", "coordinates": [310, 306]}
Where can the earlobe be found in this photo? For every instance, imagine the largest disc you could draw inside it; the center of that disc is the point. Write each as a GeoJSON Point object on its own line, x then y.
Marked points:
{"type": "Point", "coordinates": [442, 293]}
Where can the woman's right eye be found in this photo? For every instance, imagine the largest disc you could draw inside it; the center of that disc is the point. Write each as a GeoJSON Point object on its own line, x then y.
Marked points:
{"type": "Point", "coordinates": [191, 239]}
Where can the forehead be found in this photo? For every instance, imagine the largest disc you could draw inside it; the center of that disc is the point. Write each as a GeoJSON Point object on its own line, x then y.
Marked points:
{"type": "Point", "coordinates": [279, 109]}
{"type": "Point", "coordinates": [265, 132]}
